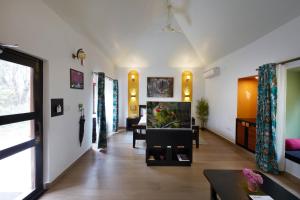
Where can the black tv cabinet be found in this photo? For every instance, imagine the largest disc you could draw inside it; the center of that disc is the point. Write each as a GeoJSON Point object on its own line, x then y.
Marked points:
{"type": "Point", "coordinates": [168, 147]}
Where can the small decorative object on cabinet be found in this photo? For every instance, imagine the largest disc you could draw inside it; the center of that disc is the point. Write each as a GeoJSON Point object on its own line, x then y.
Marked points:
{"type": "Point", "coordinates": [246, 133]}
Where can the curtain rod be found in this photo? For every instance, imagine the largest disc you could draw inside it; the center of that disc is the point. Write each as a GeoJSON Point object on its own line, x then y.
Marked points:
{"type": "Point", "coordinates": [105, 76]}
{"type": "Point", "coordinates": [286, 61]}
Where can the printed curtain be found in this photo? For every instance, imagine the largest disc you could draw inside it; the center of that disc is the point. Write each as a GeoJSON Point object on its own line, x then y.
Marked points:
{"type": "Point", "coordinates": [266, 156]}
{"type": "Point", "coordinates": [102, 141]}
{"type": "Point", "coordinates": [115, 106]}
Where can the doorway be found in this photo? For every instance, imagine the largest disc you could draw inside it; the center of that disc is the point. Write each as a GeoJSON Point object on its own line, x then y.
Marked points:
{"type": "Point", "coordinates": [21, 126]}
{"type": "Point", "coordinates": [246, 112]}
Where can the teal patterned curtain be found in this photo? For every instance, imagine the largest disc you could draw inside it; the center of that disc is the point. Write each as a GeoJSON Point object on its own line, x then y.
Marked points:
{"type": "Point", "coordinates": [102, 142]}
{"type": "Point", "coordinates": [266, 157]}
{"type": "Point", "coordinates": [115, 106]}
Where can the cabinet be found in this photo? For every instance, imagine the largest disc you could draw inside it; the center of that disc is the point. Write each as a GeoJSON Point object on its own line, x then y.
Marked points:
{"type": "Point", "coordinates": [246, 133]}
{"type": "Point", "coordinates": [167, 147]}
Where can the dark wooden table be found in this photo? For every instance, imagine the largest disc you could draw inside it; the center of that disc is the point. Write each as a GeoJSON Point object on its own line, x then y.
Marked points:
{"type": "Point", "coordinates": [232, 185]}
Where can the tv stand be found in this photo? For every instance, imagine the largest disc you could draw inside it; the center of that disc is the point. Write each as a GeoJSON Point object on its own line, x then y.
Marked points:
{"type": "Point", "coordinates": [169, 147]}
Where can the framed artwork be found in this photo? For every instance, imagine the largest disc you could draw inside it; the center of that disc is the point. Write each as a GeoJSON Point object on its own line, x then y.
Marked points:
{"type": "Point", "coordinates": [57, 107]}
{"type": "Point", "coordinates": [76, 79]}
{"type": "Point", "coordinates": [160, 86]}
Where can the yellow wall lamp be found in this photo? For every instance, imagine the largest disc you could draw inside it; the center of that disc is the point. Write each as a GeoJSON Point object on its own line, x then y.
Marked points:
{"type": "Point", "coordinates": [187, 86]}
{"type": "Point", "coordinates": [133, 93]}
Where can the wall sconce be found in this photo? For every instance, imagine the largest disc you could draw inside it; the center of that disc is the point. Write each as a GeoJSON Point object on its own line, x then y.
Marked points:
{"type": "Point", "coordinates": [132, 77]}
{"type": "Point", "coordinates": [186, 92]}
{"type": "Point", "coordinates": [80, 55]}
{"type": "Point", "coordinates": [188, 77]}
{"type": "Point", "coordinates": [187, 86]}
{"type": "Point", "coordinates": [133, 93]}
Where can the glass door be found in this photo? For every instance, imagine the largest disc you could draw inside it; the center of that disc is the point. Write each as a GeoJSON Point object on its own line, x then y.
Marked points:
{"type": "Point", "coordinates": [21, 111]}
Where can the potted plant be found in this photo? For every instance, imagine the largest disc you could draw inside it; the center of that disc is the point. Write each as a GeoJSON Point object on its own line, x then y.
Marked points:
{"type": "Point", "coordinates": [202, 112]}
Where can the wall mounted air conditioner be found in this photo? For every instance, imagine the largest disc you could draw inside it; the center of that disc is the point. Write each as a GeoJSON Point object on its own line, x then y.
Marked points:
{"type": "Point", "coordinates": [212, 72]}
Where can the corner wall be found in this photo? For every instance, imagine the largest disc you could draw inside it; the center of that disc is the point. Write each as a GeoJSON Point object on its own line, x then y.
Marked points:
{"type": "Point", "coordinates": [40, 32]}
{"type": "Point", "coordinates": [221, 91]}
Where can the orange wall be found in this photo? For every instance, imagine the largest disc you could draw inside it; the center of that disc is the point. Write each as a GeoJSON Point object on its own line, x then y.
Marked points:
{"type": "Point", "coordinates": [247, 97]}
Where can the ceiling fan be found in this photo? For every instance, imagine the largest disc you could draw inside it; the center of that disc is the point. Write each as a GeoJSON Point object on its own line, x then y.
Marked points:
{"type": "Point", "coordinates": [169, 27]}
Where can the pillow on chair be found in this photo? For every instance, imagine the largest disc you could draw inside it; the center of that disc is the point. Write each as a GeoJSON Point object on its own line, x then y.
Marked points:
{"type": "Point", "coordinates": [292, 144]}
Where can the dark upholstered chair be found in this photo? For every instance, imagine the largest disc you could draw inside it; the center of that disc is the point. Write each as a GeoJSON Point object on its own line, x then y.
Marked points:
{"type": "Point", "coordinates": [139, 131]}
{"type": "Point", "coordinates": [195, 130]}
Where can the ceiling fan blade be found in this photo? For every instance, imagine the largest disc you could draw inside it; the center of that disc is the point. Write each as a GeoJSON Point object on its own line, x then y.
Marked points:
{"type": "Point", "coordinates": [9, 45]}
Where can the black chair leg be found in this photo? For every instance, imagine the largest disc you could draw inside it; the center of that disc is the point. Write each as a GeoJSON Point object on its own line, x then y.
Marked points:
{"type": "Point", "coordinates": [133, 141]}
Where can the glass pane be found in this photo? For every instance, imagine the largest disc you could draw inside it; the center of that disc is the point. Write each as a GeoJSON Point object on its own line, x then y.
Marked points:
{"type": "Point", "coordinates": [17, 174]}
{"type": "Point", "coordinates": [16, 88]}
{"type": "Point", "coordinates": [16, 133]}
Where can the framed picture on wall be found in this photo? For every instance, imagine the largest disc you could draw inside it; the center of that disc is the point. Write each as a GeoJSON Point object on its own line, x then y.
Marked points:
{"type": "Point", "coordinates": [160, 86]}
{"type": "Point", "coordinates": [76, 79]}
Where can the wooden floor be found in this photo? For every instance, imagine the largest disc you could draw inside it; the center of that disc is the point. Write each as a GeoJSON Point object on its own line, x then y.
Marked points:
{"type": "Point", "coordinates": [121, 173]}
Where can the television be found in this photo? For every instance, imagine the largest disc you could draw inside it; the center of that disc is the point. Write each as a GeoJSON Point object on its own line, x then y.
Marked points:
{"type": "Point", "coordinates": [168, 115]}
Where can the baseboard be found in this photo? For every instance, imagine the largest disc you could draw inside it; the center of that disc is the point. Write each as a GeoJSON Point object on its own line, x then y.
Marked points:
{"type": "Point", "coordinates": [50, 184]}
{"type": "Point", "coordinates": [220, 136]}
{"type": "Point", "coordinates": [230, 142]}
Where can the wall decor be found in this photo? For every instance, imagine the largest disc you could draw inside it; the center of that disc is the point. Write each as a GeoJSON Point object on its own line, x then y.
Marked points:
{"type": "Point", "coordinates": [80, 55]}
{"type": "Point", "coordinates": [160, 86]}
{"type": "Point", "coordinates": [187, 86]}
{"type": "Point", "coordinates": [76, 79]}
{"type": "Point", "coordinates": [57, 107]}
{"type": "Point", "coordinates": [133, 94]}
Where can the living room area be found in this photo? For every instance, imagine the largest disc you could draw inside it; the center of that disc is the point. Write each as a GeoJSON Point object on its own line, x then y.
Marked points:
{"type": "Point", "coordinates": [139, 99]}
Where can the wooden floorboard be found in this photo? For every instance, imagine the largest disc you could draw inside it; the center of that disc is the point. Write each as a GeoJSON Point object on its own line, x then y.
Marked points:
{"type": "Point", "coordinates": [122, 174]}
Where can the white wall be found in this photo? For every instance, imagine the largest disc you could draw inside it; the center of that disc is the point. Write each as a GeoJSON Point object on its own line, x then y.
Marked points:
{"type": "Point", "coordinates": [198, 89]}
{"type": "Point", "coordinates": [292, 168]}
{"type": "Point", "coordinates": [40, 32]}
{"type": "Point", "coordinates": [221, 92]}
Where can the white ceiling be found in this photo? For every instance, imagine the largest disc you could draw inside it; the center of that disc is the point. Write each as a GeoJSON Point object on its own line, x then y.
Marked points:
{"type": "Point", "coordinates": [129, 31]}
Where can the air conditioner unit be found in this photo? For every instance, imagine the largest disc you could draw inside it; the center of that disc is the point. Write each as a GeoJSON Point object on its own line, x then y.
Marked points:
{"type": "Point", "coordinates": [212, 72]}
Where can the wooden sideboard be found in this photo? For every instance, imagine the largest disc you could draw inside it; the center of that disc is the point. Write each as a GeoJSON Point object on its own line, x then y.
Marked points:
{"type": "Point", "coordinates": [246, 133]}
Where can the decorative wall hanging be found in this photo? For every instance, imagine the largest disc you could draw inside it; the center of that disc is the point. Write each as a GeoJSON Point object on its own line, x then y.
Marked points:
{"type": "Point", "coordinates": [76, 79]}
{"type": "Point", "coordinates": [187, 86]}
{"type": "Point", "coordinates": [81, 123]}
{"type": "Point", "coordinates": [57, 107]}
{"type": "Point", "coordinates": [133, 94]}
{"type": "Point", "coordinates": [160, 86]}
{"type": "Point", "coordinates": [80, 55]}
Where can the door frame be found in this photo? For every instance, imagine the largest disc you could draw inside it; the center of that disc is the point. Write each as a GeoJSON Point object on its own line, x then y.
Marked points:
{"type": "Point", "coordinates": [37, 65]}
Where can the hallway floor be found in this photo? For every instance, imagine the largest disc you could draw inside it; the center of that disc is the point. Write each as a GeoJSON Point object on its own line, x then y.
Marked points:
{"type": "Point", "coordinates": [122, 174]}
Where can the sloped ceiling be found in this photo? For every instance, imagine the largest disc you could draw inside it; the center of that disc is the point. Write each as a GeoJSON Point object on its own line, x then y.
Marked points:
{"type": "Point", "coordinates": [129, 31]}
{"type": "Point", "coordinates": [219, 27]}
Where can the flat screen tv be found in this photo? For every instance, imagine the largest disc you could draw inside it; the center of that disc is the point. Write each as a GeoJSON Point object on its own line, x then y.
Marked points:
{"type": "Point", "coordinates": [168, 114]}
